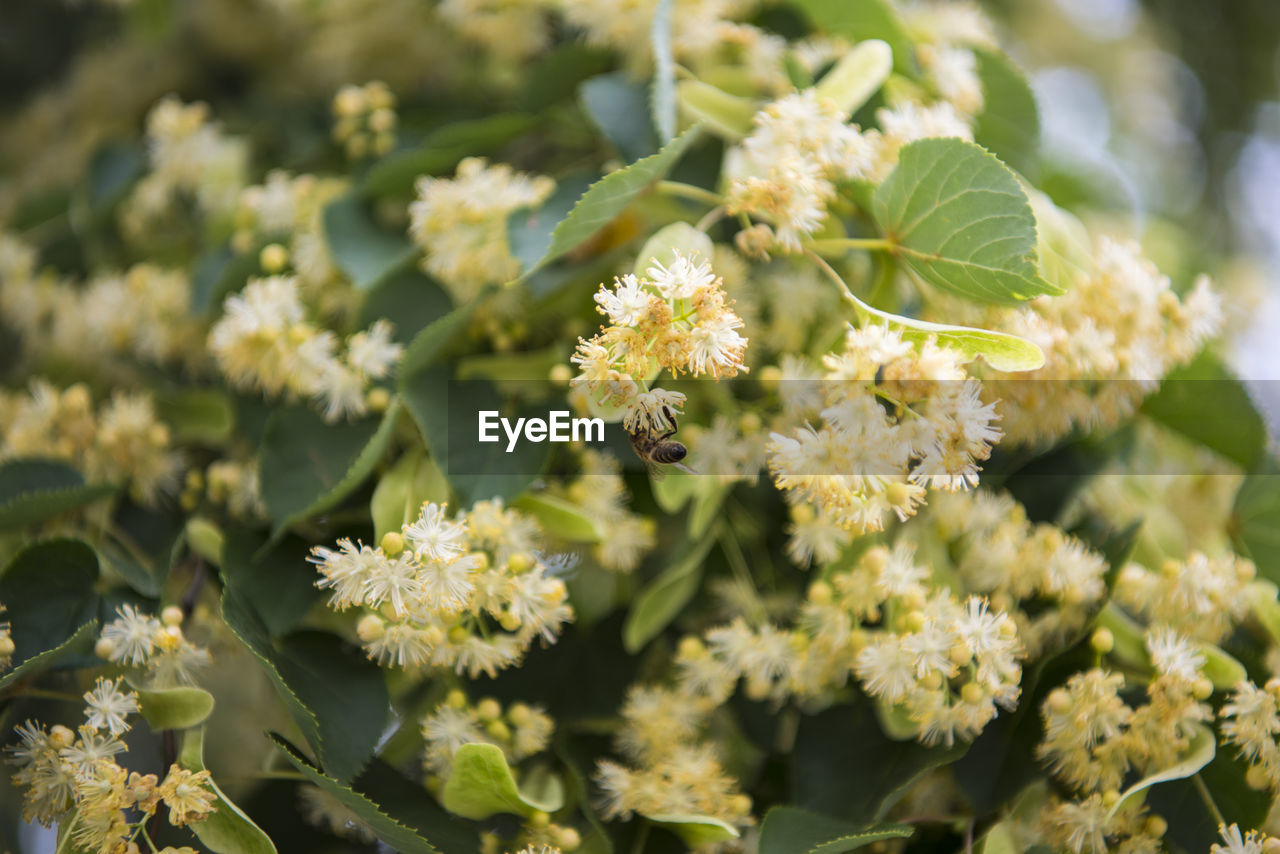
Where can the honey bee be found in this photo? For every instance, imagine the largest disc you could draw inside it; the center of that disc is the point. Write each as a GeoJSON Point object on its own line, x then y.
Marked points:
{"type": "Point", "coordinates": [655, 448]}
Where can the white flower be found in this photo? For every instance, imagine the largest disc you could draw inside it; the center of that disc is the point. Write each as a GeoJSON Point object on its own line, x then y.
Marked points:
{"type": "Point", "coordinates": [683, 279]}
{"type": "Point", "coordinates": [627, 304]}
{"type": "Point", "coordinates": [650, 410]}
{"type": "Point", "coordinates": [435, 537]}
{"type": "Point", "coordinates": [132, 636]}
{"type": "Point", "coordinates": [372, 352]}
{"type": "Point", "coordinates": [717, 346]}
{"type": "Point", "coordinates": [1174, 655]}
{"type": "Point", "coordinates": [109, 706]}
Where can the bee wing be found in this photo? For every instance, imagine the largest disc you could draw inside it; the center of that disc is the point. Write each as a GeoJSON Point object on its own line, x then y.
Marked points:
{"type": "Point", "coordinates": [684, 468]}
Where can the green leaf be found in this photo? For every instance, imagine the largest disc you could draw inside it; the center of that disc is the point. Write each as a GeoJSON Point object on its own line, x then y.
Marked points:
{"type": "Point", "coordinates": [446, 412]}
{"type": "Point", "coordinates": [33, 490]}
{"type": "Point", "coordinates": [197, 414]}
{"type": "Point", "coordinates": [308, 466]}
{"type": "Point", "coordinates": [227, 830]}
{"type": "Point", "coordinates": [481, 784]}
{"type": "Point", "coordinates": [1221, 668]}
{"type": "Point", "coordinates": [1261, 596]}
{"type": "Point", "coordinates": [394, 174]}
{"type": "Point", "coordinates": [542, 789]}
{"type": "Point", "coordinates": [561, 72]}
{"type": "Point", "coordinates": [414, 480]}
{"type": "Point", "coordinates": [48, 591]}
{"type": "Point", "coordinates": [112, 171]}
{"type": "Point", "coordinates": [360, 248]}
{"type": "Point", "coordinates": [961, 222]}
{"type": "Point", "coordinates": [665, 596]}
{"type": "Point", "coordinates": [857, 20]}
{"type": "Point", "coordinates": [530, 230]}
{"type": "Point", "coordinates": [1062, 242]}
{"type": "Point", "coordinates": [174, 708]}
{"type": "Point", "coordinates": [81, 640]}
{"type": "Point", "coordinates": [1009, 124]}
{"type": "Point", "coordinates": [673, 491]}
{"type": "Point", "coordinates": [399, 812]}
{"type": "Point", "coordinates": [407, 297]}
{"type": "Point", "coordinates": [1000, 350]}
{"type": "Point", "coordinates": [558, 517]}
{"type": "Point", "coordinates": [1199, 753]}
{"type": "Point", "coordinates": [609, 196]}
{"type": "Point", "coordinates": [728, 116]}
{"type": "Point", "coordinates": [278, 579]}
{"type": "Point", "coordinates": [857, 76]}
{"type": "Point", "coordinates": [791, 830]}
{"type": "Point", "coordinates": [427, 346]}
{"type": "Point", "coordinates": [696, 830]}
{"type": "Point", "coordinates": [1205, 402]}
{"type": "Point", "coordinates": [842, 765]}
{"type": "Point", "coordinates": [664, 71]}
{"type": "Point", "coordinates": [336, 696]}
{"type": "Point", "coordinates": [219, 273]}
{"type": "Point", "coordinates": [1255, 520]}
{"type": "Point", "coordinates": [617, 105]}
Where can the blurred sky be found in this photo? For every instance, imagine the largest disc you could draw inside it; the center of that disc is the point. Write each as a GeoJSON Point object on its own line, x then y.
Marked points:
{"type": "Point", "coordinates": [1119, 92]}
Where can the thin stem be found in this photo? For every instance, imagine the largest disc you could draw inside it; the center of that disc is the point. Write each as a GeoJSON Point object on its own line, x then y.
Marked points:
{"type": "Point", "coordinates": [1208, 799]}
{"type": "Point", "coordinates": [871, 244]}
{"type": "Point", "coordinates": [712, 217]}
{"type": "Point", "coordinates": [833, 275]}
{"type": "Point", "coordinates": [642, 836]}
{"type": "Point", "coordinates": [738, 563]}
{"type": "Point", "coordinates": [690, 192]}
{"type": "Point", "coordinates": [43, 694]}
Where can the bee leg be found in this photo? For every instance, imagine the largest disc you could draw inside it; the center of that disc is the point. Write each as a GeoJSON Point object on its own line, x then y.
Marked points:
{"type": "Point", "coordinates": [666, 410]}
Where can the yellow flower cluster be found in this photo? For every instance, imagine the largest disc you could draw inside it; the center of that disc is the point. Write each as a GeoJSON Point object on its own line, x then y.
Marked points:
{"type": "Point", "coordinates": [143, 313]}
{"type": "Point", "coordinates": [156, 646]}
{"type": "Point", "coordinates": [940, 664]}
{"type": "Point", "coordinates": [471, 593]}
{"type": "Point", "coordinates": [190, 157]}
{"type": "Point", "coordinates": [678, 319]}
{"type": "Point", "coordinates": [898, 419]}
{"type": "Point", "coordinates": [520, 730]}
{"type": "Point", "coordinates": [120, 443]}
{"type": "Point", "coordinates": [602, 495]}
{"type": "Point", "coordinates": [73, 777]}
{"type": "Point", "coordinates": [672, 771]}
{"type": "Point", "coordinates": [365, 119]}
{"type": "Point", "coordinates": [1092, 738]}
{"type": "Point", "coordinates": [289, 209]}
{"type": "Point", "coordinates": [1202, 597]}
{"type": "Point", "coordinates": [1107, 343]}
{"type": "Point", "coordinates": [1000, 554]}
{"type": "Point", "coordinates": [264, 341]}
{"type": "Point", "coordinates": [461, 223]}
{"type": "Point", "coordinates": [1251, 721]}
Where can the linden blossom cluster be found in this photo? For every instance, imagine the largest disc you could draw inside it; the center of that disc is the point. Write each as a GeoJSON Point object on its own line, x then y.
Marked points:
{"type": "Point", "coordinates": [1022, 567]}
{"type": "Point", "coordinates": [945, 664]}
{"type": "Point", "coordinates": [264, 340]}
{"type": "Point", "coordinates": [121, 442]}
{"type": "Point", "coordinates": [471, 594]}
{"type": "Point", "coordinates": [678, 319]}
{"type": "Point", "coordinates": [557, 427]}
{"type": "Point", "coordinates": [869, 459]}
{"type": "Point", "coordinates": [73, 777]}
{"type": "Point", "coordinates": [1108, 342]}
{"type": "Point", "coordinates": [1092, 738]}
